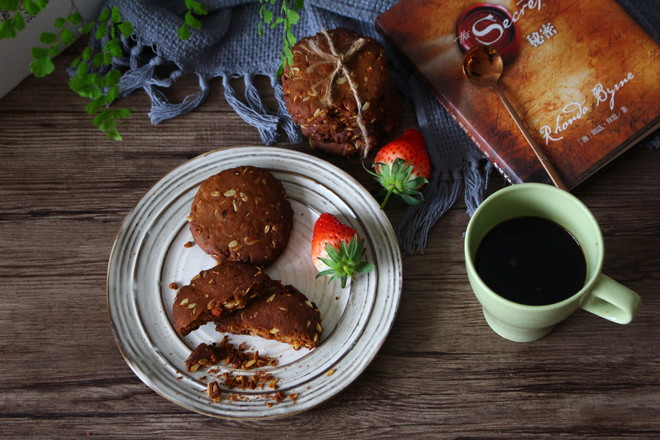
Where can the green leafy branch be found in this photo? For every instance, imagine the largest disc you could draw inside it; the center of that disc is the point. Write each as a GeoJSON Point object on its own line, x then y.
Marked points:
{"type": "Point", "coordinates": [42, 57]}
{"type": "Point", "coordinates": [287, 18]}
{"type": "Point", "coordinates": [190, 21]}
{"type": "Point", "coordinates": [94, 77]}
{"type": "Point", "coordinates": [89, 81]}
{"type": "Point", "coordinates": [11, 26]}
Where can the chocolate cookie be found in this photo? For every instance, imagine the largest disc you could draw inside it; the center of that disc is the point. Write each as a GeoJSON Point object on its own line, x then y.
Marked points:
{"type": "Point", "coordinates": [285, 315]}
{"type": "Point", "coordinates": [242, 214]}
{"type": "Point", "coordinates": [341, 114]}
{"type": "Point", "coordinates": [213, 292]}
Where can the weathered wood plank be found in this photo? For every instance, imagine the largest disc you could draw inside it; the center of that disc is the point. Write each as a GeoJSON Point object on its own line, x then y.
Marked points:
{"type": "Point", "coordinates": [441, 373]}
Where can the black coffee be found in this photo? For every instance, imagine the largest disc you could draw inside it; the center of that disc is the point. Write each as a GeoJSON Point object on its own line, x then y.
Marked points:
{"type": "Point", "coordinates": [530, 260]}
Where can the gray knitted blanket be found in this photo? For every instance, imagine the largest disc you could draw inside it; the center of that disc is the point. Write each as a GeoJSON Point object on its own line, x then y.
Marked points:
{"type": "Point", "coordinates": [228, 46]}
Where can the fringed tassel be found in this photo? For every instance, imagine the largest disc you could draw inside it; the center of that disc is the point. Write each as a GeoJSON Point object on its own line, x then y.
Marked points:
{"type": "Point", "coordinates": [162, 109]}
{"type": "Point", "coordinates": [141, 73]}
{"type": "Point", "coordinates": [167, 81]}
{"type": "Point", "coordinates": [253, 98]}
{"type": "Point", "coordinates": [476, 178]}
{"type": "Point", "coordinates": [265, 123]}
{"type": "Point", "coordinates": [290, 128]}
{"type": "Point", "coordinates": [137, 77]}
{"type": "Point", "coordinates": [140, 69]}
{"type": "Point", "coordinates": [413, 228]}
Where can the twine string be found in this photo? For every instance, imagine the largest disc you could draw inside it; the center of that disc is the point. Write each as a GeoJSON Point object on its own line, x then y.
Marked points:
{"type": "Point", "coordinates": [339, 61]}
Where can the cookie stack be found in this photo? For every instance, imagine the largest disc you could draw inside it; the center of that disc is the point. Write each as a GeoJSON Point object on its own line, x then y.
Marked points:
{"type": "Point", "coordinates": [241, 217]}
{"type": "Point", "coordinates": [339, 90]}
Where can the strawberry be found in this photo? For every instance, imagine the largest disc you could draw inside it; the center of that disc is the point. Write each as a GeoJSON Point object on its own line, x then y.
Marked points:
{"type": "Point", "coordinates": [403, 168]}
{"type": "Point", "coordinates": [337, 251]}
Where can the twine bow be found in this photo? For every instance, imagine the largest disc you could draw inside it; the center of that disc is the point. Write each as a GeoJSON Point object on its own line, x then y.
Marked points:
{"type": "Point", "coordinates": [339, 61]}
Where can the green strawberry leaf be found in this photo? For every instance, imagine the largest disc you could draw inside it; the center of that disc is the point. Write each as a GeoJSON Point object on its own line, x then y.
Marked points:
{"type": "Point", "coordinates": [396, 179]}
{"type": "Point", "coordinates": [345, 262]}
{"type": "Point", "coordinates": [410, 200]}
{"type": "Point", "coordinates": [364, 267]}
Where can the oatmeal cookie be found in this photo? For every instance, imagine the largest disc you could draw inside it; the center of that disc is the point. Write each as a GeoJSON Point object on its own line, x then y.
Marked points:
{"type": "Point", "coordinates": [242, 214]}
{"type": "Point", "coordinates": [326, 106]}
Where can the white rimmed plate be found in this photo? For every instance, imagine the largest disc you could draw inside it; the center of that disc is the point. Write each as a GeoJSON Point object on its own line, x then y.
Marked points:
{"type": "Point", "coordinates": [150, 252]}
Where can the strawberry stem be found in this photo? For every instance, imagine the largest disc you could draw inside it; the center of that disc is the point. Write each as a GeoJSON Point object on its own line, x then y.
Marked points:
{"type": "Point", "coordinates": [397, 179]}
{"type": "Point", "coordinates": [390, 191]}
{"type": "Point", "coordinates": [345, 262]}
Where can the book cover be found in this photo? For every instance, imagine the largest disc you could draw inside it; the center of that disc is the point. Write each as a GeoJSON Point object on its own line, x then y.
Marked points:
{"type": "Point", "coordinates": [583, 76]}
{"type": "Point", "coordinates": [15, 54]}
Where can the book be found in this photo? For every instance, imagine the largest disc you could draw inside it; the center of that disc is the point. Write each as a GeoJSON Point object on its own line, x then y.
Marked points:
{"type": "Point", "coordinates": [15, 55]}
{"type": "Point", "coordinates": [583, 76]}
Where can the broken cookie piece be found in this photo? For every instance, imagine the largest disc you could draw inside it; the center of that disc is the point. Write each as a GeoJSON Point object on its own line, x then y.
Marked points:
{"type": "Point", "coordinates": [284, 315]}
{"type": "Point", "coordinates": [213, 391]}
{"type": "Point", "coordinates": [216, 291]}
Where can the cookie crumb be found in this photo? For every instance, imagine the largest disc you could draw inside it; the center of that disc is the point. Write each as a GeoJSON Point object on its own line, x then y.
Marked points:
{"type": "Point", "coordinates": [213, 391]}
{"type": "Point", "coordinates": [205, 355]}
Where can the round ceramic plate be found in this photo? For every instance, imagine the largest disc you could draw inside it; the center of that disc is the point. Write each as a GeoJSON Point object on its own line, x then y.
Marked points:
{"type": "Point", "coordinates": [153, 249]}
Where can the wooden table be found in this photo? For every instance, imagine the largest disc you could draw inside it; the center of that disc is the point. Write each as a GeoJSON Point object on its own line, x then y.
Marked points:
{"type": "Point", "coordinates": [442, 373]}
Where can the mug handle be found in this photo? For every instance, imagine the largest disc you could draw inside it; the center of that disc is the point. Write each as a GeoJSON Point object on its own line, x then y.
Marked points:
{"type": "Point", "coordinates": [612, 301]}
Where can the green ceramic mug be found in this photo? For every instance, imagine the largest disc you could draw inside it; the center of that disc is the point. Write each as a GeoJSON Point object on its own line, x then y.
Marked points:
{"type": "Point", "coordinates": [599, 295]}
